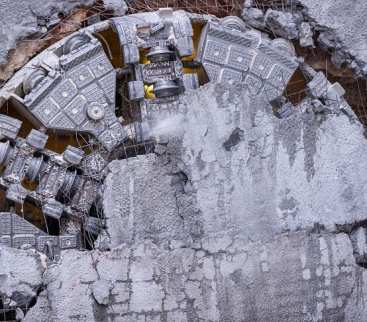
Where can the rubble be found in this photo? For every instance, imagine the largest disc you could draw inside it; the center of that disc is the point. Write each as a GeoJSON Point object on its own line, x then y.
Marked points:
{"type": "Point", "coordinates": [21, 273]}
{"type": "Point", "coordinates": [119, 7]}
{"type": "Point", "coordinates": [254, 17]}
{"type": "Point", "coordinates": [284, 24]}
{"type": "Point", "coordinates": [290, 163]}
{"type": "Point", "coordinates": [331, 18]}
{"type": "Point", "coordinates": [21, 19]}
{"type": "Point", "coordinates": [306, 35]}
{"type": "Point", "coordinates": [339, 25]}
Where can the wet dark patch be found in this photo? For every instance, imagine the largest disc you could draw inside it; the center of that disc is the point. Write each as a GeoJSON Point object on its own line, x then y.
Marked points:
{"type": "Point", "coordinates": [235, 138]}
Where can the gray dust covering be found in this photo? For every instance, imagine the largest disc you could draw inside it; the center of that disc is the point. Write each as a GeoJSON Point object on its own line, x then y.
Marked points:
{"type": "Point", "coordinates": [338, 24]}
{"type": "Point", "coordinates": [342, 26]}
{"type": "Point", "coordinates": [20, 275]}
{"type": "Point", "coordinates": [202, 231]}
{"type": "Point", "coordinates": [23, 18]}
{"type": "Point", "coordinates": [237, 216]}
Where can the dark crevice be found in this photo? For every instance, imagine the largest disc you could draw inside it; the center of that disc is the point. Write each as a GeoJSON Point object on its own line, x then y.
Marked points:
{"type": "Point", "coordinates": [217, 8]}
{"type": "Point", "coordinates": [357, 233]}
{"type": "Point", "coordinates": [8, 313]}
{"type": "Point", "coordinates": [234, 139]}
{"type": "Point", "coordinates": [318, 228]}
{"type": "Point", "coordinates": [349, 228]}
{"type": "Point", "coordinates": [89, 238]}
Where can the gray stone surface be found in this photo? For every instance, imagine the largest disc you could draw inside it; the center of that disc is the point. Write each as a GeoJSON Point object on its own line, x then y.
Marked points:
{"type": "Point", "coordinates": [342, 25]}
{"type": "Point", "coordinates": [219, 280]}
{"type": "Point", "coordinates": [101, 291]}
{"type": "Point", "coordinates": [161, 212]}
{"type": "Point", "coordinates": [278, 175]}
{"type": "Point", "coordinates": [119, 7]}
{"type": "Point", "coordinates": [283, 175]}
{"type": "Point", "coordinates": [23, 18]}
{"type": "Point", "coordinates": [40, 311]}
{"type": "Point", "coordinates": [278, 193]}
{"type": "Point", "coordinates": [254, 17]}
{"type": "Point", "coordinates": [339, 24]}
{"type": "Point", "coordinates": [306, 35]}
{"type": "Point", "coordinates": [20, 275]}
{"type": "Point", "coordinates": [240, 216]}
{"type": "Point", "coordinates": [284, 24]}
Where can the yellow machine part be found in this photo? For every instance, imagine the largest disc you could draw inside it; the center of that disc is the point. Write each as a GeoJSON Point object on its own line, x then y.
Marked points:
{"type": "Point", "coordinates": [149, 94]}
{"type": "Point", "coordinates": [197, 29]}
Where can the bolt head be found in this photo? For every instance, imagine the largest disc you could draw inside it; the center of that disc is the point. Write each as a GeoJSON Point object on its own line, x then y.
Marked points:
{"type": "Point", "coordinates": [95, 111]}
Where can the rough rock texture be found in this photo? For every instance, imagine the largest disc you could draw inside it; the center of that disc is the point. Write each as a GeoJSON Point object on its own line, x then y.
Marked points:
{"type": "Point", "coordinates": [23, 18]}
{"type": "Point", "coordinates": [342, 26]}
{"type": "Point", "coordinates": [306, 35]}
{"type": "Point", "coordinates": [40, 311]}
{"type": "Point", "coordinates": [129, 198]}
{"type": "Point", "coordinates": [237, 219]}
{"type": "Point", "coordinates": [284, 24]}
{"type": "Point", "coordinates": [275, 176]}
{"type": "Point", "coordinates": [239, 216]}
{"type": "Point", "coordinates": [20, 275]}
{"type": "Point", "coordinates": [339, 24]}
{"type": "Point", "coordinates": [219, 280]}
{"type": "Point", "coordinates": [253, 16]}
{"type": "Point", "coordinates": [119, 7]}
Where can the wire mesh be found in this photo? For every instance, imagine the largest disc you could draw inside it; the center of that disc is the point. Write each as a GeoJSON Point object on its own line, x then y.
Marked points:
{"type": "Point", "coordinates": [11, 311]}
{"type": "Point", "coordinates": [284, 5]}
{"type": "Point", "coordinates": [220, 8]}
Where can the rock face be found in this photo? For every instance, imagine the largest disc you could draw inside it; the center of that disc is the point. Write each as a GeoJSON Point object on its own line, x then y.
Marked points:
{"type": "Point", "coordinates": [278, 175]}
{"type": "Point", "coordinates": [150, 186]}
{"type": "Point", "coordinates": [239, 216]}
{"type": "Point", "coordinates": [102, 291]}
{"type": "Point", "coordinates": [41, 311]}
{"type": "Point", "coordinates": [216, 281]}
